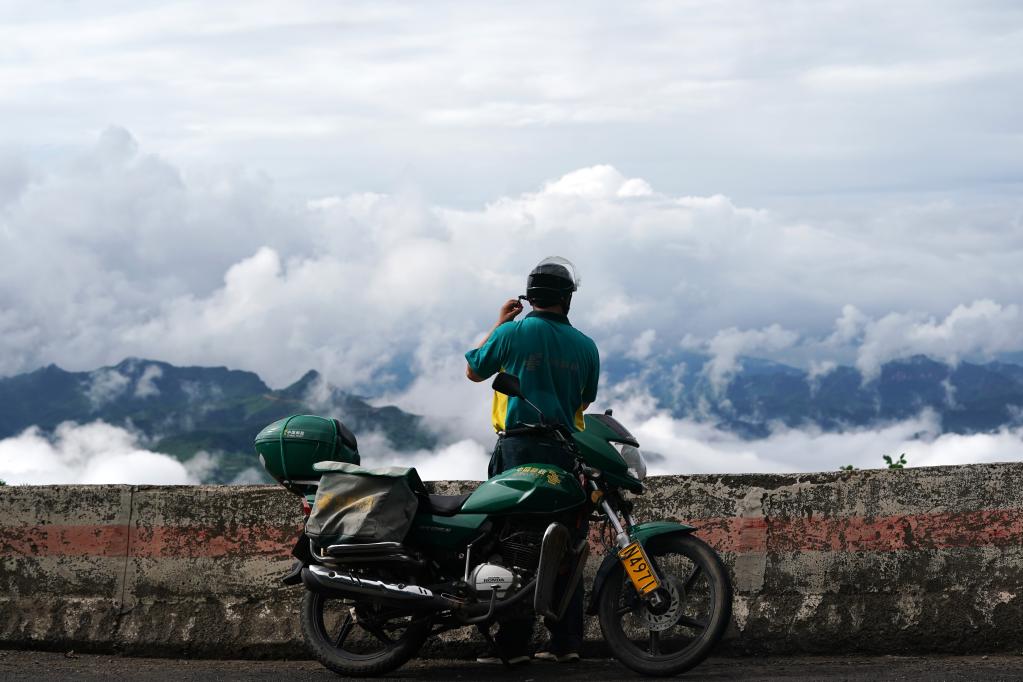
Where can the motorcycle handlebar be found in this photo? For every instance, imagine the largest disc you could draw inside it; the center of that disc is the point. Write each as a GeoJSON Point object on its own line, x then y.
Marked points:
{"type": "Point", "coordinates": [527, 430]}
{"type": "Point", "coordinates": [537, 430]}
{"type": "Point", "coordinates": [556, 429]}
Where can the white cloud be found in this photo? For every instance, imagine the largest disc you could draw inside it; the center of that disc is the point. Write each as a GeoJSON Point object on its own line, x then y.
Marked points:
{"type": "Point", "coordinates": [642, 345]}
{"type": "Point", "coordinates": [1005, 445]}
{"type": "Point", "coordinates": [249, 476]}
{"type": "Point", "coordinates": [146, 384]}
{"type": "Point", "coordinates": [461, 460]}
{"type": "Point", "coordinates": [453, 407]}
{"type": "Point", "coordinates": [734, 97]}
{"type": "Point", "coordinates": [821, 369]}
{"type": "Point", "coordinates": [702, 177]}
{"type": "Point", "coordinates": [692, 446]}
{"type": "Point", "coordinates": [689, 446]}
{"type": "Point", "coordinates": [612, 310]}
{"type": "Point", "coordinates": [598, 182]}
{"type": "Point", "coordinates": [201, 465]}
{"type": "Point", "coordinates": [101, 453]}
{"type": "Point", "coordinates": [351, 285]}
{"type": "Point", "coordinates": [983, 327]}
{"type": "Point", "coordinates": [728, 344]}
{"type": "Point", "coordinates": [849, 326]}
{"type": "Point", "coordinates": [863, 77]}
{"type": "Point", "coordinates": [90, 453]}
{"type": "Point", "coordinates": [105, 385]}
{"type": "Point", "coordinates": [818, 370]}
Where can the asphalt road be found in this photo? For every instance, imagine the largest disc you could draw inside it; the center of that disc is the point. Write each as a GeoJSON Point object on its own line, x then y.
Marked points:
{"type": "Point", "coordinates": [34, 665]}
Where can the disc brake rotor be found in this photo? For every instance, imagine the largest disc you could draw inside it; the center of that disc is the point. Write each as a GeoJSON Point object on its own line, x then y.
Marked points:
{"type": "Point", "coordinates": [670, 617]}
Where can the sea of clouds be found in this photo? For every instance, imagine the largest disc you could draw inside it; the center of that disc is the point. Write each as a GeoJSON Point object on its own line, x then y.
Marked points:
{"type": "Point", "coordinates": [118, 252]}
{"type": "Point", "coordinates": [93, 453]}
{"type": "Point", "coordinates": [101, 453]}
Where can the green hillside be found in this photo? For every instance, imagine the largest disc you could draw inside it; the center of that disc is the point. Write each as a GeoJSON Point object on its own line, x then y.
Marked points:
{"type": "Point", "coordinates": [185, 410]}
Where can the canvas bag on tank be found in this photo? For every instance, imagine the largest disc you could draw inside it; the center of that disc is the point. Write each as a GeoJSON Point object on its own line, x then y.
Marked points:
{"type": "Point", "coordinates": [356, 504]}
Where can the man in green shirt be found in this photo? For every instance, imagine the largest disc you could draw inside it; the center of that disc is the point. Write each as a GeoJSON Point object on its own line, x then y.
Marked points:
{"type": "Point", "coordinates": [557, 366]}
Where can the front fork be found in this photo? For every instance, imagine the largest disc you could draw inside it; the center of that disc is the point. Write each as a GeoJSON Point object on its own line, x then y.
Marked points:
{"type": "Point", "coordinates": [637, 564]}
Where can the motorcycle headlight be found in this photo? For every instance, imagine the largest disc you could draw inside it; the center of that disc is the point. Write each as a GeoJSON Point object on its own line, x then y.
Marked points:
{"type": "Point", "coordinates": [633, 460]}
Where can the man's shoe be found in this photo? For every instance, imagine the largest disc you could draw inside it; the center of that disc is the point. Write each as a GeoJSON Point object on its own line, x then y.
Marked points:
{"type": "Point", "coordinates": [490, 656]}
{"type": "Point", "coordinates": [545, 654]}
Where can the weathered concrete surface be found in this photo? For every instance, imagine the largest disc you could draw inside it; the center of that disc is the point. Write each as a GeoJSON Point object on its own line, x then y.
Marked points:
{"type": "Point", "coordinates": [876, 561]}
{"type": "Point", "coordinates": [918, 560]}
{"type": "Point", "coordinates": [62, 563]}
{"type": "Point", "coordinates": [148, 569]}
{"type": "Point", "coordinates": [37, 665]}
{"type": "Point", "coordinates": [203, 573]}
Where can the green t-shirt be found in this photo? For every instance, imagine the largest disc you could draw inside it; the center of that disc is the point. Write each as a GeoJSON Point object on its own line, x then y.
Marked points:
{"type": "Point", "coordinates": [557, 366]}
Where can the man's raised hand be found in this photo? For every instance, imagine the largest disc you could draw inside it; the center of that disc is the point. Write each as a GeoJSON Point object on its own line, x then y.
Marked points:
{"type": "Point", "coordinates": [509, 311]}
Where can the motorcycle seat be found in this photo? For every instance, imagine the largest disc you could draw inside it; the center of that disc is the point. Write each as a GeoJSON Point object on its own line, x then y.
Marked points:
{"type": "Point", "coordinates": [446, 505]}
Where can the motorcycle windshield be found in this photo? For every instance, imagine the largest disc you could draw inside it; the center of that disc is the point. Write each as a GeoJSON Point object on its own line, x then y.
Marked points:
{"type": "Point", "coordinates": [595, 443]}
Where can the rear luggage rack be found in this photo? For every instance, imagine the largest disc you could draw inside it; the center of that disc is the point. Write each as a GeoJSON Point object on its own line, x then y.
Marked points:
{"type": "Point", "coordinates": [366, 553]}
{"type": "Point", "coordinates": [357, 548]}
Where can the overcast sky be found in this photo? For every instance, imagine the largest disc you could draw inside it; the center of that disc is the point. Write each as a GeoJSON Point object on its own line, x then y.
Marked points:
{"type": "Point", "coordinates": [280, 186]}
{"type": "Point", "coordinates": [469, 101]}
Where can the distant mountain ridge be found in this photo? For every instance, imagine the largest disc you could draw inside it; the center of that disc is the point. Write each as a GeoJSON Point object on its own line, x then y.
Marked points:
{"type": "Point", "coordinates": [182, 410]}
{"type": "Point", "coordinates": [969, 398]}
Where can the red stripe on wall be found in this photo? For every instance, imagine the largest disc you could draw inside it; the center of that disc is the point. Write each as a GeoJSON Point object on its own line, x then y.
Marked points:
{"type": "Point", "coordinates": [100, 541]}
{"type": "Point", "coordinates": [984, 528]}
{"type": "Point", "coordinates": [157, 542]}
{"type": "Point", "coordinates": [740, 535]}
{"type": "Point", "coordinates": [997, 527]}
{"type": "Point", "coordinates": [272, 542]}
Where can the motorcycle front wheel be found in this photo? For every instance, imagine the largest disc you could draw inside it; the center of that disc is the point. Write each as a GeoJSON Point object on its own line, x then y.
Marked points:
{"type": "Point", "coordinates": [360, 639]}
{"type": "Point", "coordinates": [683, 634]}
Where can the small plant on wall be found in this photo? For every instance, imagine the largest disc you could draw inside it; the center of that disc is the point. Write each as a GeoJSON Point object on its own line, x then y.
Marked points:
{"type": "Point", "coordinates": [900, 463]}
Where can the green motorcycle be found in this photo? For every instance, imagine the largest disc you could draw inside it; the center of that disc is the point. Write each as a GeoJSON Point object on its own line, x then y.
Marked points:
{"type": "Point", "coordinates": [662, 595]}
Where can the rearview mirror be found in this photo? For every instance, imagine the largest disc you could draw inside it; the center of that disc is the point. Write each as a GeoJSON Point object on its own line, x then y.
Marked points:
{"type": "Point", "coordinates": [507, 384]}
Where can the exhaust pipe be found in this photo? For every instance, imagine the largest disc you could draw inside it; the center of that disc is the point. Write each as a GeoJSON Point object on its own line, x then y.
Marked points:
{"type": "Point", "coordinates": [331, 582]}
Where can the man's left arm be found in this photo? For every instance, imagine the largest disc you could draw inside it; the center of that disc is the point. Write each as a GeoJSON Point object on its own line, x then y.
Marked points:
{"type": "Point", "coordinates": [485, 360]}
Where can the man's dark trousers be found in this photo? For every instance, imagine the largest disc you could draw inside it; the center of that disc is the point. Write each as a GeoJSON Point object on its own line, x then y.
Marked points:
{"type": "Point", "coordinates": [514, 635]}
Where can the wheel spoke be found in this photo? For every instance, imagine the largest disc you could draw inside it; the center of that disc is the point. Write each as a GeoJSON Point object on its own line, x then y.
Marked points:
{"type": "Point", "coordinates": [625, 610]}
{"type": "Point", "coordinates": [377, 632]}
{"type": "Point", "coordinates": [655, 643]}
{"type": "Point", "coordinates": [693, 577]}
{"type": "Point", "coordinates": [692, 622]}
{"type": "Point", "coordinates": [343, 632]}
{"type": "Point", "coordinates": [631, 603]}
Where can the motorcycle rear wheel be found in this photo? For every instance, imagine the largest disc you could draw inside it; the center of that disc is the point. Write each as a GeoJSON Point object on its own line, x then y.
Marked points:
{"type": "Point", "coordinates": [699, 612]}
{"type": "Point", "coordinates": [360, 639]}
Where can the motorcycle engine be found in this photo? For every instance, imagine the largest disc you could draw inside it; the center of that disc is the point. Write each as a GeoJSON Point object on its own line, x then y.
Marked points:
{"type": "Point", "coordinates": [487, 578]}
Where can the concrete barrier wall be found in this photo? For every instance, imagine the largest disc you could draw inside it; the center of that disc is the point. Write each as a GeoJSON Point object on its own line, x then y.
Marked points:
{"type": "Point", "coordinates": [918, 560]}
{"type": "Point", "coordinates": [191, 570]}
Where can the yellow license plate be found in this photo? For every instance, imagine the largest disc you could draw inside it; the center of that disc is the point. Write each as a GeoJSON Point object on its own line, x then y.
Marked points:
{"type": "Point", "coordinates": [638, 567]}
